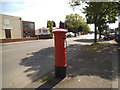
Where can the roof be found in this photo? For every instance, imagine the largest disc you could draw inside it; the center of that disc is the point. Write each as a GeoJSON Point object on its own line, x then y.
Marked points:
{"type": "Point", "coordinates": [10, 15]}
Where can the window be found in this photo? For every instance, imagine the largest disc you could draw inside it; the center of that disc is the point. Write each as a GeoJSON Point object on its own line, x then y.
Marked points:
{"type": "Point", "coordinates": [28, 26]}
{"type": "Point", "coordinates": [40, 31]}
{"type": "Point", "coordinates": [6, 21]}
{"type": "Point", "coordinates": [31, 25]}
{"type": "Point", "coordinates": [44, 31]}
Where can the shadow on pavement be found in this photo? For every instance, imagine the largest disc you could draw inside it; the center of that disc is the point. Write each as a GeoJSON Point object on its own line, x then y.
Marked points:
{"type": "Point", "coordinates": [50, 83]}
{"type": "Point", "coordinates": [81, 60]}
{"type": "Point", "coordinates": [87, 40]}
{"type": "Point", "coordinates": [39, 63]}
{"type": "Point", "coordinates": [95, 61]}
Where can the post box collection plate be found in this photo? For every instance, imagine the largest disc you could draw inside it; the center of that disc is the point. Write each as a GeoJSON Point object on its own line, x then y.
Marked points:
{"type": "Point", "coordinates": [65, 44]}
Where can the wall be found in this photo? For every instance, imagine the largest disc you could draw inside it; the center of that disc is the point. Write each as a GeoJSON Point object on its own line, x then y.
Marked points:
{"type": "Point", "coordinates": [1, 34]}
{"type": "Point", "coordinates": [17, 40]}
{"type": "Point", "coordinates": [44, 36]}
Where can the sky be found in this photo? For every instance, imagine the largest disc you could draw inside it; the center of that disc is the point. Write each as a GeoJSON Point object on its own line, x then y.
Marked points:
{"type": "Point", "coordinates": [39, 11]}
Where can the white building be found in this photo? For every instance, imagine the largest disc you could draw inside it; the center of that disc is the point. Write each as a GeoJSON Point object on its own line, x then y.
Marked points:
{"type": "Point", "coordinates": [42, 31]}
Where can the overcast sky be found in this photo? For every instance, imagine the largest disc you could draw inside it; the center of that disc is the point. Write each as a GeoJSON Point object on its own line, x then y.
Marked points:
{"type": "Point", "coordinates": [39, 11]}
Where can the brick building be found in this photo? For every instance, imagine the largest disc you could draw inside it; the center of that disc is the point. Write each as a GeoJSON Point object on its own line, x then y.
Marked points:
{"type": "Point", "coordinates": [28, 29]}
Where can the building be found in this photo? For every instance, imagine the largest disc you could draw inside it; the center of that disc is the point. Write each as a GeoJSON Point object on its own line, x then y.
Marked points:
{"type": "Point", "coordinates": [10, 27]}
{"type": "Point", "coordinates": [28, 29]}
{"type": "Point", "coordinates": [42, 31]}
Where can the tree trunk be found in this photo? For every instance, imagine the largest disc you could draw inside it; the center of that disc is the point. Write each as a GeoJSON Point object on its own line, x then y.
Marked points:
{"type": "Point", "coordinates": [95, 37]}
{"type": "Point", "coordinates": [106, 32]}
{"type": "Point", "coordinates": [119, 27]}
{"type": "Point", "coordinates": [100, 34]}
{"type": "Point", "coordinates": [51, 34]}
{"type": "Point", "coordinates": [100, 31]}
{"type": "Point", "coordinates": [75, 32]}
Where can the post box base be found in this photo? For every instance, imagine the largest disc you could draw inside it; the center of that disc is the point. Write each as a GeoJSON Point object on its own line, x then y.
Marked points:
{"type": "Point", "coordinates": [60, 71]}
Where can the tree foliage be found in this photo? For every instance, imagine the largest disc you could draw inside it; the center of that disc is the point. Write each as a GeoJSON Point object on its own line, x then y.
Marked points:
{"type": "Point", "coordinates": [61, 24]}
{"type": "Point", "coordinates": [76, 22]}
{"type": "Point", "coordinates": [50, 25]}
{"type": "Point", "coordinates": [100, 13]}
{"type": "Point", "coordinates": [73, 20]}
{"type": "Point", "coordinates": [54, 24]}
{"type": "Point", "coordinates": [85, 28]}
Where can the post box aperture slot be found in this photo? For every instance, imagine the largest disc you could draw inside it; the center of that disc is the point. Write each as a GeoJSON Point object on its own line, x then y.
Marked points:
{"type": "Point", "coordinates": [64, 37]}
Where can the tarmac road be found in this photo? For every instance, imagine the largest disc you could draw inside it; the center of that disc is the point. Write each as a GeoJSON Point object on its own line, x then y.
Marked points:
{"type": "Point", "coordinates": [24, 62]}
{"type": "Point", "coordinates": [13, 65]}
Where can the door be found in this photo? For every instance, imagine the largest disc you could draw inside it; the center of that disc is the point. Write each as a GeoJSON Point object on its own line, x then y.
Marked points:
{"type": "Point", "coordinates": [8, 33]}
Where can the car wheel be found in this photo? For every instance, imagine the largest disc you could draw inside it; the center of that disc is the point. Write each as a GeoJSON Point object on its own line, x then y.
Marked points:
{"type": "Point", "coordinates": [109, 39]}
{"type": "Point", "coordinates": [104, 38]}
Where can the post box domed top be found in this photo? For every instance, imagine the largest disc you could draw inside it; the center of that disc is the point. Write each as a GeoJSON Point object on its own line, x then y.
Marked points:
{"type": "Point", "coordinates": [60, 30]}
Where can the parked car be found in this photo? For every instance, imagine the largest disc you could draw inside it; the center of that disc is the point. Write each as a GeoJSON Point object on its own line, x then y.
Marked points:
{"type": "Point", "coordinates": [109, 37]}
{"type": "Point", "coordinates": [70, 34]}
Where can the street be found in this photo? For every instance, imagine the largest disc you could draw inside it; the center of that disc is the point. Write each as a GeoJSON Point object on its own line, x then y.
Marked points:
{"type": "Point", "coordinates": [14, 74]}
{"type": "Point", "coordinates": [23, 63]}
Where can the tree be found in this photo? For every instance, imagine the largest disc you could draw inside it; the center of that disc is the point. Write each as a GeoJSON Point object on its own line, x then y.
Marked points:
{"type": "Point", "coordinates": [73, 21]}
{"type": "Point", "coordinates": [102, 28]}
{"type": "Point", "coordinates": [50, 25]}
{"type": "Point", "coordinates": [86, 28]}
{"type": "Point", "coordinates": [54, 24]}
{"type": "Point", "coordinates": [80, 29]}
{"type": "Point", "coordinates": [104, 12]}
{"type": "Point", "coordinates": [100, 13]}
{"type": "Point", "coordinates": [61, 24]}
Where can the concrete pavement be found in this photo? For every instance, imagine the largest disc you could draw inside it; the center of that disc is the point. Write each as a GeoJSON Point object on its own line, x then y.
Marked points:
{"type": "Point", "coordinates": [104, 73]}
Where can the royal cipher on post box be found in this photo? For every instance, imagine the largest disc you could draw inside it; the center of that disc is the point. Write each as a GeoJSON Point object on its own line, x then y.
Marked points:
{"type": "Point", "coordinates": [60, 52]}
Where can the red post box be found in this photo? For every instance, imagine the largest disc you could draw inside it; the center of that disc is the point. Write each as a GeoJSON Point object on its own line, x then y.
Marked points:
{"type": "Point", "coordinates": [60, 52]}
